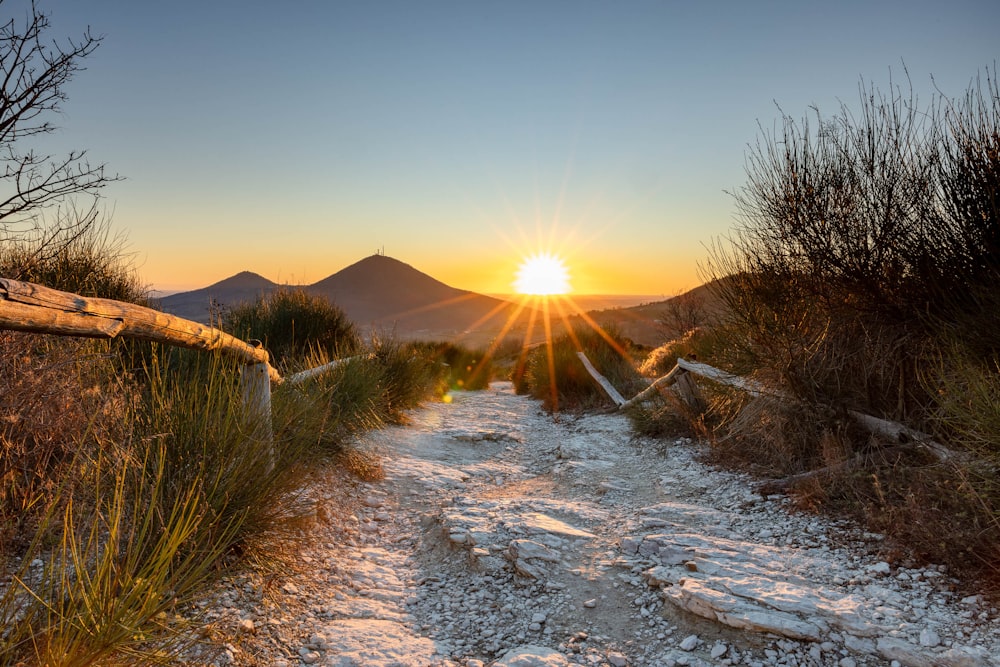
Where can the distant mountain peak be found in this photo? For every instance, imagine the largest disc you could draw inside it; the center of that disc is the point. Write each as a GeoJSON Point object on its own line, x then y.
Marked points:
{"type": "Point", "coordinates": [382, 271]}
{"type": "Point", "coordinates": [243, 280]}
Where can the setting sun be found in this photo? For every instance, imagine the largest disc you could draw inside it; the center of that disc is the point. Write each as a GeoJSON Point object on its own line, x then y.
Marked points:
{"type": "Point", "coordinates": [542, 274]}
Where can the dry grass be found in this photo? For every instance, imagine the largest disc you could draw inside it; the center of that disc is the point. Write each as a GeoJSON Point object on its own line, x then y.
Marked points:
{"type": "Point", "coordinates": [53, 409]}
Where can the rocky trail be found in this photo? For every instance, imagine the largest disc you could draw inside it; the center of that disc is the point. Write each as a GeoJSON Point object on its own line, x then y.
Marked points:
{"type": "Point", "coordinates": [503, 537]}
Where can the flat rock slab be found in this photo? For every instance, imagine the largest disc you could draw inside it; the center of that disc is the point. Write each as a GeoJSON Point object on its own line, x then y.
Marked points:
{"type": "Point", "coordinates": [753, 587]}
{"type": "Point", "coordinates": [363, 642]}
{"type": "Point", "coordinates": [532, 656]}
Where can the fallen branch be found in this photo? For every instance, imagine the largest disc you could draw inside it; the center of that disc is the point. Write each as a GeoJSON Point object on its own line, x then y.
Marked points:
{"type": "Point", "coordinates": [647, 393]}
{"type": "Point", "coordinates": [601, 380]}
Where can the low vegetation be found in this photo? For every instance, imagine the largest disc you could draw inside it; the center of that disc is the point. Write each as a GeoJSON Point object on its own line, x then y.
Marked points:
{"type": "Point", "coordinates": [132, 475]}
{"type": "Point", "coordinates": [293, 324]}
{"type": "Point", "coordinates": [555, 374]}
{"type": "Point", "coordinates": [863, 278]}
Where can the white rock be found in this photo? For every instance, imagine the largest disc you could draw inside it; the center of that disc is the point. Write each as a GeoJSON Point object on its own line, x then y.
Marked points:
{"type": "Point", "coordinates": [689, 643]}
{"type": "Point", "coordinates": [892, 648]}
{"type": "Point", "coordinates": [719, 650]}
{"type": "Point", "coordinates": [929, 638]}
{"type": "Point", "coordinates": [369, 641]}
{"type": "Point", "coordinates": [880, 568]}
{"type": "Point", "coordinates": [531, 656]}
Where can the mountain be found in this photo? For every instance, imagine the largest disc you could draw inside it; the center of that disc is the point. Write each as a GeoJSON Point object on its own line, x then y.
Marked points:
{"type": "Point", "coordinates": [385, 293]}
{"type": "Point", "coordinates": [198, 304]}
{"type": "Point", "coordinates": [377, 293]}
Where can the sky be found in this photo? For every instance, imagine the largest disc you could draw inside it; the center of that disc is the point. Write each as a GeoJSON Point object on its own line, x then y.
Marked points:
{"type": "Point", "coordinates": [293, 139]}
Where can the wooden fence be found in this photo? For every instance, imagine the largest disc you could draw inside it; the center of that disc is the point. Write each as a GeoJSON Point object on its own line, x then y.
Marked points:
{"type": "Point", "coordinates": [899, 433]}
{"type": "Point", "coordinates": [29, 307]}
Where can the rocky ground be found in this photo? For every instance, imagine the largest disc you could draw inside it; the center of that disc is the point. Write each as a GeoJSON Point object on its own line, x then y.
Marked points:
{"type": "Point", "coordinates": [503, 537]}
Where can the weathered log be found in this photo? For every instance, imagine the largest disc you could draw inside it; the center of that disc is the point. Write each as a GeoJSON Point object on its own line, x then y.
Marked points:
{"type": "Point", "coordinates": [898, 432]}
{"type": "Point", "coordinates": [601, 380]}
{"type": "Point", "coordinates": [35, 308]}
{"type": "Point", "coordinates": [648, 392]}
{"type": "Point", "coordinates": [722, 377]}
{"type": "Point", "coordinates": [904, 434]}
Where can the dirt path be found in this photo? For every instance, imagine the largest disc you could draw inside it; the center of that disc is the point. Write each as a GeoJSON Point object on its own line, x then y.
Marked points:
{"type": "Point", "coordinates": [502, 537]}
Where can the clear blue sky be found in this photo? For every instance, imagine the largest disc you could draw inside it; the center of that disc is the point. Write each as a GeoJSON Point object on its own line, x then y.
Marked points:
{"type": "Point", "coordinates": [295, 138]}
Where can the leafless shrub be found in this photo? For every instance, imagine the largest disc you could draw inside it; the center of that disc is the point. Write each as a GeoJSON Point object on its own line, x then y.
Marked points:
{"type": "Point", "coordinates": [868, 252]}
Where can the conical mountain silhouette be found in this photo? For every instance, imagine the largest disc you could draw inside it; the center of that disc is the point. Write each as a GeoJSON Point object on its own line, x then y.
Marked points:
{"type": "Point", "coordinates": [378, 292]}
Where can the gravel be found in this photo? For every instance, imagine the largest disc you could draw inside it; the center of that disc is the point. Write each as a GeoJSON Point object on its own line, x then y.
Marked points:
{"type": "Point", "coordinates": [502, 536]}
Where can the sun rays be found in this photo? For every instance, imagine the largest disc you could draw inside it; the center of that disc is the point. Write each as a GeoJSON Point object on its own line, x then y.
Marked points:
{"type": "Point", "coordinates": [542, 314]}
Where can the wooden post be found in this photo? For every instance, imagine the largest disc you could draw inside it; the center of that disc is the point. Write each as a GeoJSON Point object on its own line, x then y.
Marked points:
{"type": "Point", "coordinates": [688, 391]}
{"type": "Point", "coordinates": [255, 384]}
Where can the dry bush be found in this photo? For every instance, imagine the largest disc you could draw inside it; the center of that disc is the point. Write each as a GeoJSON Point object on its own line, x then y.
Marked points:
{"type": "Point", "coordinates": [931, 513]}
{"type": "Point", "coordinates": [683, 313]}
{"type": "Point", "coordinates": [701, 343]}
{"type": "Point", "coordinates": [868, 251]}
{"type": "Point", "coordinates": [771, 437]}
{"type": "Point", "coordinates": [53, 409]}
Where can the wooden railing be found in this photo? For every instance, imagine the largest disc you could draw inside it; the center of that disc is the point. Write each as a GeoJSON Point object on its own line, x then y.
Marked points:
{"type": "Point", "coordinates": [29, 307]}
{"type": "Point", "coordinates": [901, 434]}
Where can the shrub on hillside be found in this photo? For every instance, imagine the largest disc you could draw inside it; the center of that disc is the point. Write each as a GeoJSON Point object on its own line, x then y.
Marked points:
{"type": "Point", "coordinates": [466, 369]}
{"type": "Point", "coordinates": [554, 373]}
{"type": "Point", "coordinates": [408, 376]}
{"type": "Point", "coordinates": [292, 324]}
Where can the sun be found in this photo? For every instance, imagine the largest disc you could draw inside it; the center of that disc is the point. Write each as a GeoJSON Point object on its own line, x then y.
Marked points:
{"type": "Point", "coordinates": [542, 274]}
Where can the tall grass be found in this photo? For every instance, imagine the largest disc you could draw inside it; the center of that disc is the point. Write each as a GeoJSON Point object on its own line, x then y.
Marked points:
{"type": "Point", "coordinates": [132, 475]}
{"type": "Point", "coordinates": [136, 520]}
{"type": "Point", "coordinates": [465, 368]}
{"type": "Point", "coordinates": [86, 258]}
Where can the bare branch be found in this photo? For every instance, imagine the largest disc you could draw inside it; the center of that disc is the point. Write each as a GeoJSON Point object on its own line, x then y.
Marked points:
{"type": "Point", "coordinates": [33, 75]}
